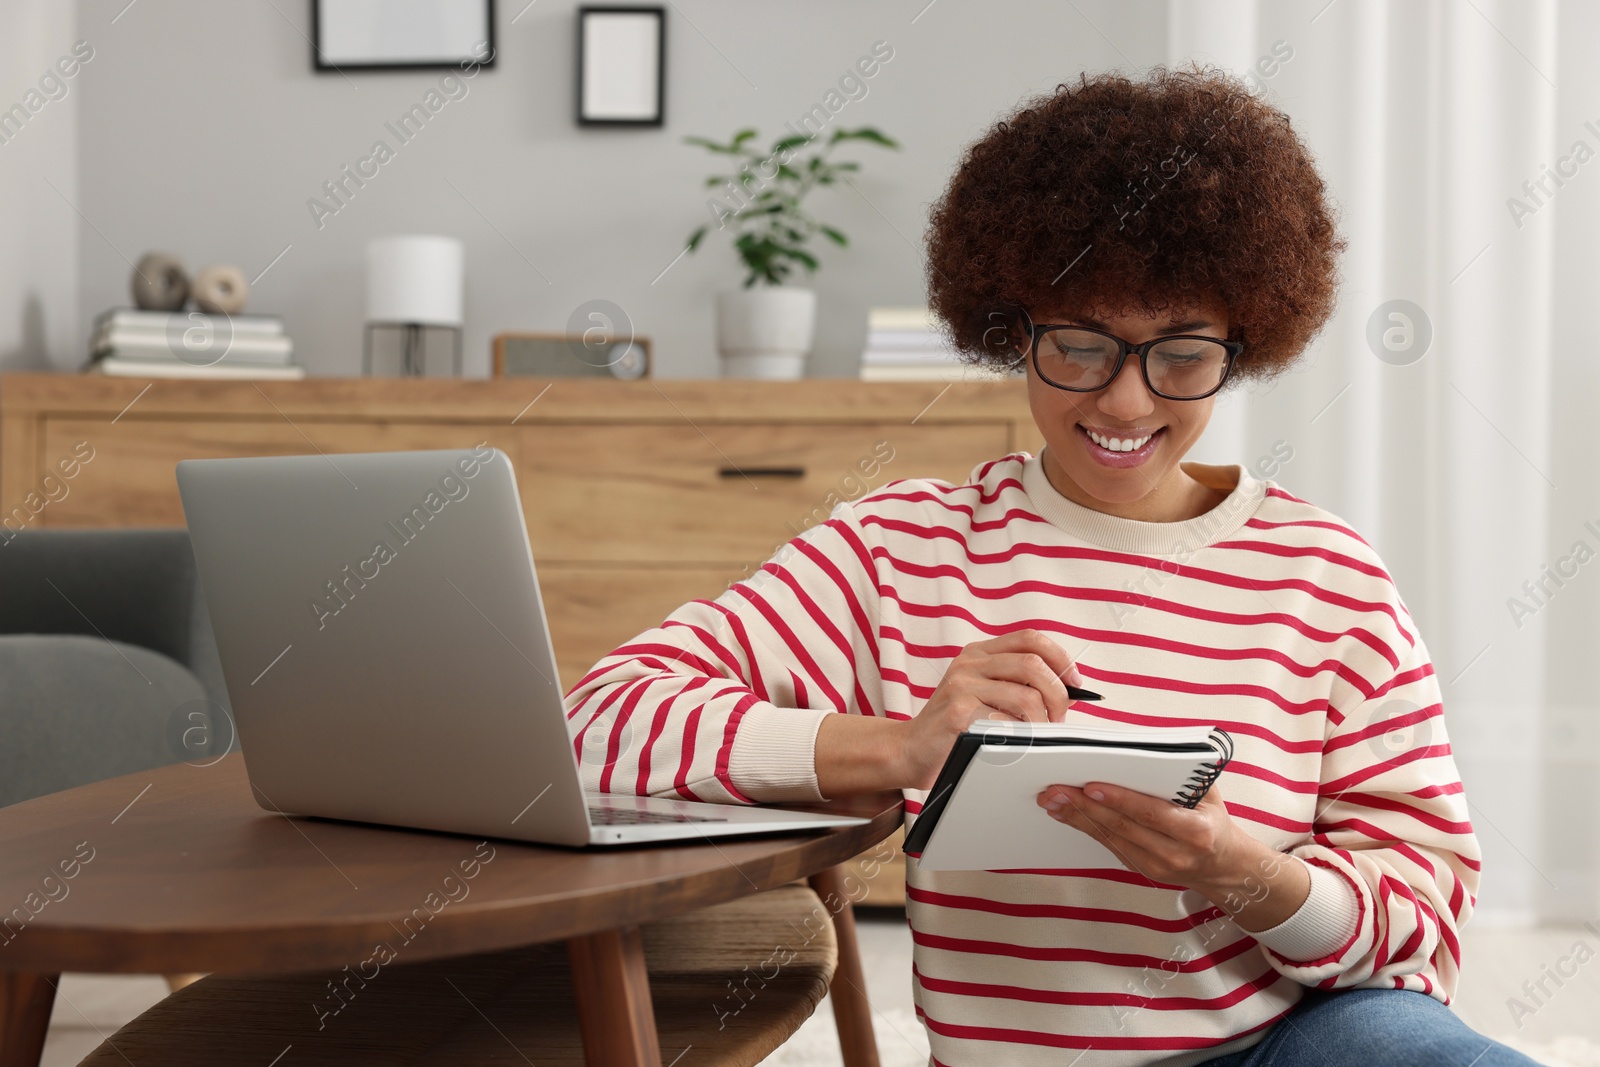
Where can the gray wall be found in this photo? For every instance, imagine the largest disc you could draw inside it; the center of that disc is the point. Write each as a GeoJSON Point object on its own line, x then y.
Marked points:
{"type": "Point", "coordinates": [38, 184]}
{"type": "Point", "coordinates": [204, 131]}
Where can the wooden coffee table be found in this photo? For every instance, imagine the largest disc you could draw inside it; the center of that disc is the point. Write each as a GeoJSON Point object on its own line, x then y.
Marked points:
{"type": "Point", "coordinates": [178, 870]}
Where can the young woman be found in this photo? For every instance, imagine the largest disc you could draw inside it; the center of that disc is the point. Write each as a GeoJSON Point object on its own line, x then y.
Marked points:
{"type": "Point", "coordinates": [1135, 246]}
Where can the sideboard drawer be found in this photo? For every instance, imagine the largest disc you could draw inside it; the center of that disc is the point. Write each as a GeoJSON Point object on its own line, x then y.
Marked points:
{"type": "Point", "coordinates": [130, 480]}
{"type": "Point", "coordinates": [719, 493]}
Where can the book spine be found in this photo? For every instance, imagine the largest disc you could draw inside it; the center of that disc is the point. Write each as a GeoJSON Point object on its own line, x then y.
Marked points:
{"type": "Point", "coordinates": [126, 318]}
{"type": "Point", "coordinates": [915, 360]}
{"type": "Point", "coordinates": [899, 319]}
{"type": "Point", "coordinates": [235, 353]}
{"type": "Point", "coordinates": [904, 339]}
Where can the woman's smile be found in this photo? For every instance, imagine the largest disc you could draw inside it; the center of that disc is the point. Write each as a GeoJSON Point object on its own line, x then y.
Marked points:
{"type": "Point", "coordinates": [1127, 448]}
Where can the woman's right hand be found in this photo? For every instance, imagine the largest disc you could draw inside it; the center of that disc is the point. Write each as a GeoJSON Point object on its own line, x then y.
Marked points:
{"type": "Point", "coordinates": [1021, 675]}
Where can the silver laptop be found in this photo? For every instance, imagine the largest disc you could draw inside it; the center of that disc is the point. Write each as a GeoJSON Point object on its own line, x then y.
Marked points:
{"type": "Point", "coordinates": [387, 656]}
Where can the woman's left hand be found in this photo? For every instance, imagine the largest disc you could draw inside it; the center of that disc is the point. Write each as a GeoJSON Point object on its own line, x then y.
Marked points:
{"type": "Point", "coordinates": [1197, 847]}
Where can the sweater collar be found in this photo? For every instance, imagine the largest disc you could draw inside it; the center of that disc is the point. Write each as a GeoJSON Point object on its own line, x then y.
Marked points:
{"type": "Point", "coordinates": [1152, 538]}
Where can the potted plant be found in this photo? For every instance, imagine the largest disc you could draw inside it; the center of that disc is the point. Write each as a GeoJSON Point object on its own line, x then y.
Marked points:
{"type": "Point", "coordinates": [764, 329]}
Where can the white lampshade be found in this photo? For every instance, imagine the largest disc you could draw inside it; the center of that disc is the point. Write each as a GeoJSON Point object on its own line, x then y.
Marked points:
{"type": "Point", "coordinates": [415, 278]}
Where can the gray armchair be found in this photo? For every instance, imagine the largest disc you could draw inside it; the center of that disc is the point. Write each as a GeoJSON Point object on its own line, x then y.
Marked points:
{"type": "Point", "coordinates": [106, 658]}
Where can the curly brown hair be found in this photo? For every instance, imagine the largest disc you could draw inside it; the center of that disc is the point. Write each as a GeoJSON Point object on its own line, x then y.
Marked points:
{"type": "Point", "coordinates": [1113, 194]}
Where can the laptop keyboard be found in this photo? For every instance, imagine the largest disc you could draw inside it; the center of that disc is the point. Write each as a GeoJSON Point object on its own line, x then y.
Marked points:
{"type": "Point", "coordinates": [632, 816]}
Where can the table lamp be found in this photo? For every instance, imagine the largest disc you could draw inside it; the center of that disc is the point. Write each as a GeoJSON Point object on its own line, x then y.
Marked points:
{"type": "Point", "coordinates": [415, 285]}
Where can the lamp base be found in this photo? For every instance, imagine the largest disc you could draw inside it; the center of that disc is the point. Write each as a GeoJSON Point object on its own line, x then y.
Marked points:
{"type": "Point", "coordinates": [401, 349]}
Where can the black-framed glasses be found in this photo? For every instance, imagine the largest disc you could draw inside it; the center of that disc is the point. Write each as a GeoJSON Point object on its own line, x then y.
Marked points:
{"type": "Point", "coordinates": [1080, 359]}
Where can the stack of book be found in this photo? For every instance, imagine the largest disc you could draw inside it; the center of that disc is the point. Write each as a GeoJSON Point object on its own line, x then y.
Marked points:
{"type": "Point", "coordinates": [904, 345]}
{"type": "Point", "coordinates": [189, 344]}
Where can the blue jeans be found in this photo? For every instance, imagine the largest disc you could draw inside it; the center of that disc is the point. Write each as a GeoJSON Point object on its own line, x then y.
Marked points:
{"type": "Point", "coordinates": [1372, 1028]}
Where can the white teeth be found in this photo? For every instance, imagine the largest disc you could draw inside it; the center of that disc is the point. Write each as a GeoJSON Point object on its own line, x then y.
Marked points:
{"type": "Point", "coordinates": [1118, 444]}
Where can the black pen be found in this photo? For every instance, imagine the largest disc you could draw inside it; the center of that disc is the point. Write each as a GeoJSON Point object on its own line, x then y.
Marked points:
{"type": "Point", "coordinates": [1082, 694]}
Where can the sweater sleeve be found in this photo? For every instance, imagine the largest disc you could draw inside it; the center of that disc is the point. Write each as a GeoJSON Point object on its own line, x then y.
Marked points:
{"type": "Point", "coordinates": [722, 701]}
{"type": "Point", "coordinates": [1324, 922]}
{"type": "Point", "coordinates": [1392, 822]}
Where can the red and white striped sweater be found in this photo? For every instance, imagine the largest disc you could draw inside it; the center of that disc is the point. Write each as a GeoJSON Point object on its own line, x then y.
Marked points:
{"type": "Point", "coordinates": [1266, 615]}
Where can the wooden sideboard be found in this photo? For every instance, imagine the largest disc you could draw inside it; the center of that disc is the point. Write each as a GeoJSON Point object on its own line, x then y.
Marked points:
{"type": "Point", "coordinates": [638, 495]}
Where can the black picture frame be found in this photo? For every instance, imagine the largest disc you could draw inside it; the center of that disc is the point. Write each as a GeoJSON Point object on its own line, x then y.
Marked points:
{"type": "Point", "coordinates": [583, 112]}
{"type": "Point", "coordinates": [321, 64]}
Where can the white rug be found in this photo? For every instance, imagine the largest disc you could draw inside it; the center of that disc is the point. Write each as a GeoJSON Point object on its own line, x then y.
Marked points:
{"type": "Point", "coordinates": [902, 1043]}
{"type": "Point", "coordinates": [1562, 1052]}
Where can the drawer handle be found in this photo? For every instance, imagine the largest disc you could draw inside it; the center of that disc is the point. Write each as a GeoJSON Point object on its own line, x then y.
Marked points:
{"type": "Point", "coordinates": [768, 472]}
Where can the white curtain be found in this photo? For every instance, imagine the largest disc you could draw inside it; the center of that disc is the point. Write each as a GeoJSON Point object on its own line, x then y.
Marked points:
{"type": "Point", "coordinates": [1472, 467]}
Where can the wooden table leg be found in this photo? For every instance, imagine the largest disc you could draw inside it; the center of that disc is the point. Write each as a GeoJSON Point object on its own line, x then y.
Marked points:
{"type": "Point", "coordinates": [612, 989]}
{"type": "Point", "coordinates": [852, 1012]}
{"type": "Point", "coordinates": [25, 1004]}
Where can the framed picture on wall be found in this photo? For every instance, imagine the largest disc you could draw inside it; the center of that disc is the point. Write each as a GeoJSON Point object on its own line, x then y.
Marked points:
{"type": "Point", "coordinates": [401, 34]}
{"type": "Point", "coordinates": [622, 61]}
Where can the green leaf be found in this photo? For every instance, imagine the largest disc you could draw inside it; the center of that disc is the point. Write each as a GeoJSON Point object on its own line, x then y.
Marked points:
{"type": "Point", "coordinates": [847, 166]}
{"type": "Point", "coordinates": [742, 136]}
{"type": "Point", "coordinates": [835, 236]}
{"type": "Point", "coordinates": [715, 180]}
{"type": "Point", "coordinates": [703, 142]}
{"type": "Point", "coordinates": [694, 238]}
{"type": "Point", "coordinates": [804, 257]}
{"type": "Point", "coordinates": [792, 141]}
{"type": "Point", "coordinates": [786, 171]}
{"type": "Point", "coordinates": [865, 133]}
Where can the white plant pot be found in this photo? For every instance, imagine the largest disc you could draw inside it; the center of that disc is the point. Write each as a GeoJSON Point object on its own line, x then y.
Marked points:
{"type": "Point", "coordinates": [765, 332]}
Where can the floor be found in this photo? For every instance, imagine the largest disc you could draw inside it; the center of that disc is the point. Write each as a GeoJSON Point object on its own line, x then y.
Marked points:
{"type": "Point", "coordinates": [1563, 1029]}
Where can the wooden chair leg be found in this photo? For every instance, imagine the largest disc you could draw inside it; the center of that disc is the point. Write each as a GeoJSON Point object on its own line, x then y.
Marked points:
{"type": "Point", "coordinates": [852, 1012]}
{"type": "Point", "coordinates": [25, 1004]}
{"type": "Point", "coordinates": [612, 989]}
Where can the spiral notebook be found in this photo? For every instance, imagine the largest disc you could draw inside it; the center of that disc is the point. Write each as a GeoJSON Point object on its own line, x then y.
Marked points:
{"type": "Point", "coordinates": [982, 815]}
